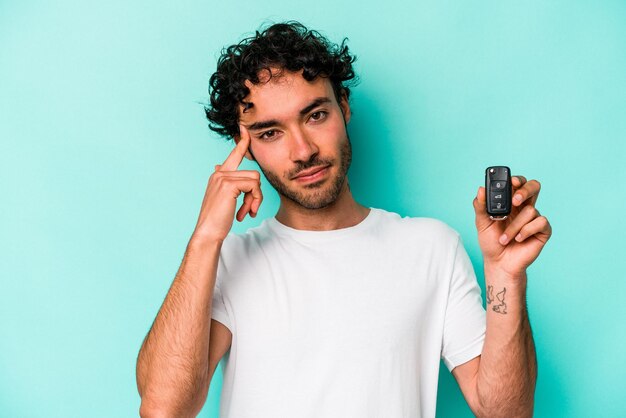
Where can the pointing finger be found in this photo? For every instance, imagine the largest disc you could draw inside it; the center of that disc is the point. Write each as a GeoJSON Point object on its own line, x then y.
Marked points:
{"type": "Point", "coordinates": [236, 155]}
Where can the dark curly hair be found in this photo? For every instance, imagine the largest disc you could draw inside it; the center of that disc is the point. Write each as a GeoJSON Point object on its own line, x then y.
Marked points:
{"type": "Point", "coordinates": [288, 45]}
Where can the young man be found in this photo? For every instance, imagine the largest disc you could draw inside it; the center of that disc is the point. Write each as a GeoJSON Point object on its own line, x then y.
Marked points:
{"type": "Point", "coordinates": [331, 308]}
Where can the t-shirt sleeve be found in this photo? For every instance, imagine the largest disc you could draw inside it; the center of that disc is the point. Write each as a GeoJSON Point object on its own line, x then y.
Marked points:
{"type": "Point", "coordinates": [218, 307]}
{"type": "Point", "coordinates": [465, 317]}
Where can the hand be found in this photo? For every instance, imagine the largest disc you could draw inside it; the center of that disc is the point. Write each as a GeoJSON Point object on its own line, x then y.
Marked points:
{"type": "Point", "coordinates": [526, 230]}
{"type": "Point", "coordinates": [224, 187]}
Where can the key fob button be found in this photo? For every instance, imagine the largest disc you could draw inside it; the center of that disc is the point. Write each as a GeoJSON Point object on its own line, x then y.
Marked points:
{"type": "Point", "coordinates": [498, 185]}
{"type": "Point", "coordinates": [497, 196]}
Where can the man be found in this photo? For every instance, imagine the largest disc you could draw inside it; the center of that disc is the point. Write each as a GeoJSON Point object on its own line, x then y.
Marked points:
{"type": "Point", "coordinates": [331, 308]}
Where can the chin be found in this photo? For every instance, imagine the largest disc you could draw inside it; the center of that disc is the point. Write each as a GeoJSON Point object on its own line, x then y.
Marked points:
{"type": "Point", "coordinates": [318, 195]}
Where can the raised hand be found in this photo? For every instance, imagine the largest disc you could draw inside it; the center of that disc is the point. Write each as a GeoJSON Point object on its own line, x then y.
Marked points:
{"type": "Point", "coordinates": [525, 229]}
{"type": "Point", "coordinates": [224, 187]}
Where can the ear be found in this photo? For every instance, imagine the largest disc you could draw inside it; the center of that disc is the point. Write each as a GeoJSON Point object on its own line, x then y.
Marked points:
{"type": "Point", "coordinates": [345, 107]}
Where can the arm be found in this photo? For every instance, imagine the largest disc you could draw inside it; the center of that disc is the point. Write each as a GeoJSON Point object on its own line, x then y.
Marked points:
{"type": "Point", "coordinates": [501, 381]}
{"type": "Point", "coordinates": [507, 371]}
{"type": "Point", "coordinates": [172, 367]}
{"type": "Point", "coordinates": [178, 356]}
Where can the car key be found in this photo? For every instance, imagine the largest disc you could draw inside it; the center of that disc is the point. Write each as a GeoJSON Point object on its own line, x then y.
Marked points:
{"type": "Point", "coordinates": [498, 192]}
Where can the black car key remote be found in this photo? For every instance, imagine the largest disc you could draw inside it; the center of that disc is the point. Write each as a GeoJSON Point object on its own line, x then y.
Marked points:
{"type": "Point", "coordinates": [498, 192]}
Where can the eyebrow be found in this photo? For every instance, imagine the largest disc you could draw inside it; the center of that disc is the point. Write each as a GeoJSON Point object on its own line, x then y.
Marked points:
{"type": "Point", "coordinates": [268, 123]}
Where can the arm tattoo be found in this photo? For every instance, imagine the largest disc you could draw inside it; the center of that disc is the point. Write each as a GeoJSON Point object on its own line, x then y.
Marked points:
{"type": "Point", "coordinates": [501, 308]}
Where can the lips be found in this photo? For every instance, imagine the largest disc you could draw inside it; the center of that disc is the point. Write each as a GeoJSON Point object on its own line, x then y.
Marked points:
{"type": "Point", "coordinates": [310, 171]}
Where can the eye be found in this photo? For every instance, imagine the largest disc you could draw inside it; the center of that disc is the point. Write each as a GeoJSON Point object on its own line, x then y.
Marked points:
{"type": "Point", "coordinates": [321, 114]}
{"type": "Point", "coordinates": [267, 134]}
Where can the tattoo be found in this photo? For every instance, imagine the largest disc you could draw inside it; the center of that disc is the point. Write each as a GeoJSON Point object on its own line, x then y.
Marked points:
{"type": "Point", "coordinates": [501, 308]}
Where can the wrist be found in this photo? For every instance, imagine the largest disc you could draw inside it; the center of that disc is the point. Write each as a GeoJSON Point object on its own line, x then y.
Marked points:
{"type": "Point", "coordinates": [202, 242]}
{"type": "Point", "coordinates": [497, 273]}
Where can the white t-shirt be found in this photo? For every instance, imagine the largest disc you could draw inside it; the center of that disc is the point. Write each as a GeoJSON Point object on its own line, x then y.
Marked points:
{"type": "Point", "coordinates": [347, 323]}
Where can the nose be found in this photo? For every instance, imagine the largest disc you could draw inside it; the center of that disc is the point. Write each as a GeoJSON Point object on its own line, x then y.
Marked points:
{"type": "Point", "coordinates": [302, 147]}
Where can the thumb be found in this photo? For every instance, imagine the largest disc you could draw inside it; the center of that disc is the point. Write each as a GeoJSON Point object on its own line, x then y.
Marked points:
{"type": "Point", "coordinates": [480, 207]}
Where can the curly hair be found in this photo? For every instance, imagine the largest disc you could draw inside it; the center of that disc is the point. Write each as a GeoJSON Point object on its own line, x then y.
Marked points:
{"type": "Point", "coordinates": [288, 45]}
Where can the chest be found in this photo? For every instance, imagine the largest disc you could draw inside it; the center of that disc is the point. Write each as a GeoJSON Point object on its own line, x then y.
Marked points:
{"type": "Point", "coordinates": [349, 299]}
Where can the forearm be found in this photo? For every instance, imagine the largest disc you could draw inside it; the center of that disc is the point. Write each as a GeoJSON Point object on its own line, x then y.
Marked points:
{"type": "Point", "coordinates": [172, 366]}
{"type": "Point", "coordinates": [507, 373]}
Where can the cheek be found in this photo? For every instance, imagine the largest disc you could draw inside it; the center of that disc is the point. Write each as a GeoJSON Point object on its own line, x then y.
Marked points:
{"type": "Point", "coordinates": [339, 138]}
{"type": "Point", "coordinates": [341, 126]}
{"type": "Point", "coordinates": [269, 158]}
{"type": "Point", "coordinates": [332, 133]}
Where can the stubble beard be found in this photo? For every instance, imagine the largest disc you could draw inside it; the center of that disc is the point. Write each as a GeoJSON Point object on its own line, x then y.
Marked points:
{"type": "Point", "coordinates": [322, 193]}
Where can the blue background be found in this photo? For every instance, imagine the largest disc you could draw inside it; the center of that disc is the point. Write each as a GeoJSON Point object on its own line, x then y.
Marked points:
{"type": "Point", "coordinates": [105, 155]}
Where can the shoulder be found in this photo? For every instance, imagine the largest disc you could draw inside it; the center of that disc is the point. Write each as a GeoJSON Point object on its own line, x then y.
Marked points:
{"type": "Point", "coordinates": [245, 242]}
{"type": "Point", "coordinates": [421, 226]}
{"type": "Point", "coordinates": [241, 253]}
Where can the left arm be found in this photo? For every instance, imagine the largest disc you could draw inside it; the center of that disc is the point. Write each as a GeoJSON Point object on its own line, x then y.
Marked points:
{"type": "Point", "coordinates": [507, 372]}
{"type": "Point", "coordinates": [501, 381]}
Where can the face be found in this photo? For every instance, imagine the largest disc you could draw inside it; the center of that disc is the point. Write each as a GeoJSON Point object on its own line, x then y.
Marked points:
{"type": "Point", "coordinates": [297, 126]}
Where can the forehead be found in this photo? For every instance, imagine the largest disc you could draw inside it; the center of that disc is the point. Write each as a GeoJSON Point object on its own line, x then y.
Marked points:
{"type": "Point", "coordinates": [284, 93]}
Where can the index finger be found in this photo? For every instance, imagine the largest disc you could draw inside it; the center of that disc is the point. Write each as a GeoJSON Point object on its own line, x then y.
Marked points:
{"type": "Point", "coordinates": [529, 191]}
{"type": "Point", "coordinates": [236, 155]}
{"type": "Point", "coordinates": [520, 180]}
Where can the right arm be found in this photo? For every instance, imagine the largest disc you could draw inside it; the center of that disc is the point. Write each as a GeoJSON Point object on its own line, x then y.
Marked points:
{"type": "Point", "coordinates": [172, 367]}
{"type": "Point", "coordinates": [178, 356]}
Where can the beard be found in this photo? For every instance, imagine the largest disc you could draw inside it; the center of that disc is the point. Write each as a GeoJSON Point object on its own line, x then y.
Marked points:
{"type": "Point", "coordinates": [319, 194]}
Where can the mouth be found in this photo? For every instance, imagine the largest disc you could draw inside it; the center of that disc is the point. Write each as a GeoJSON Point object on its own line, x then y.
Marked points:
{"type": "Point", "coordinates": [312, 174]}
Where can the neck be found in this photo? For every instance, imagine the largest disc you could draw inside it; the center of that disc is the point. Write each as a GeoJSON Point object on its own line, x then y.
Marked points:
{"type": "Point", "coordinates": [342, 213]}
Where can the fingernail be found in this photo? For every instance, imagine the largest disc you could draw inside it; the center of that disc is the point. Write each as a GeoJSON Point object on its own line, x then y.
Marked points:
{"type": "Point", "coordinates": [518, 197]}
{"type": "Point", "coordinates": [503, 239]}
{"type": "Point", "coordinates": [518, 237]}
